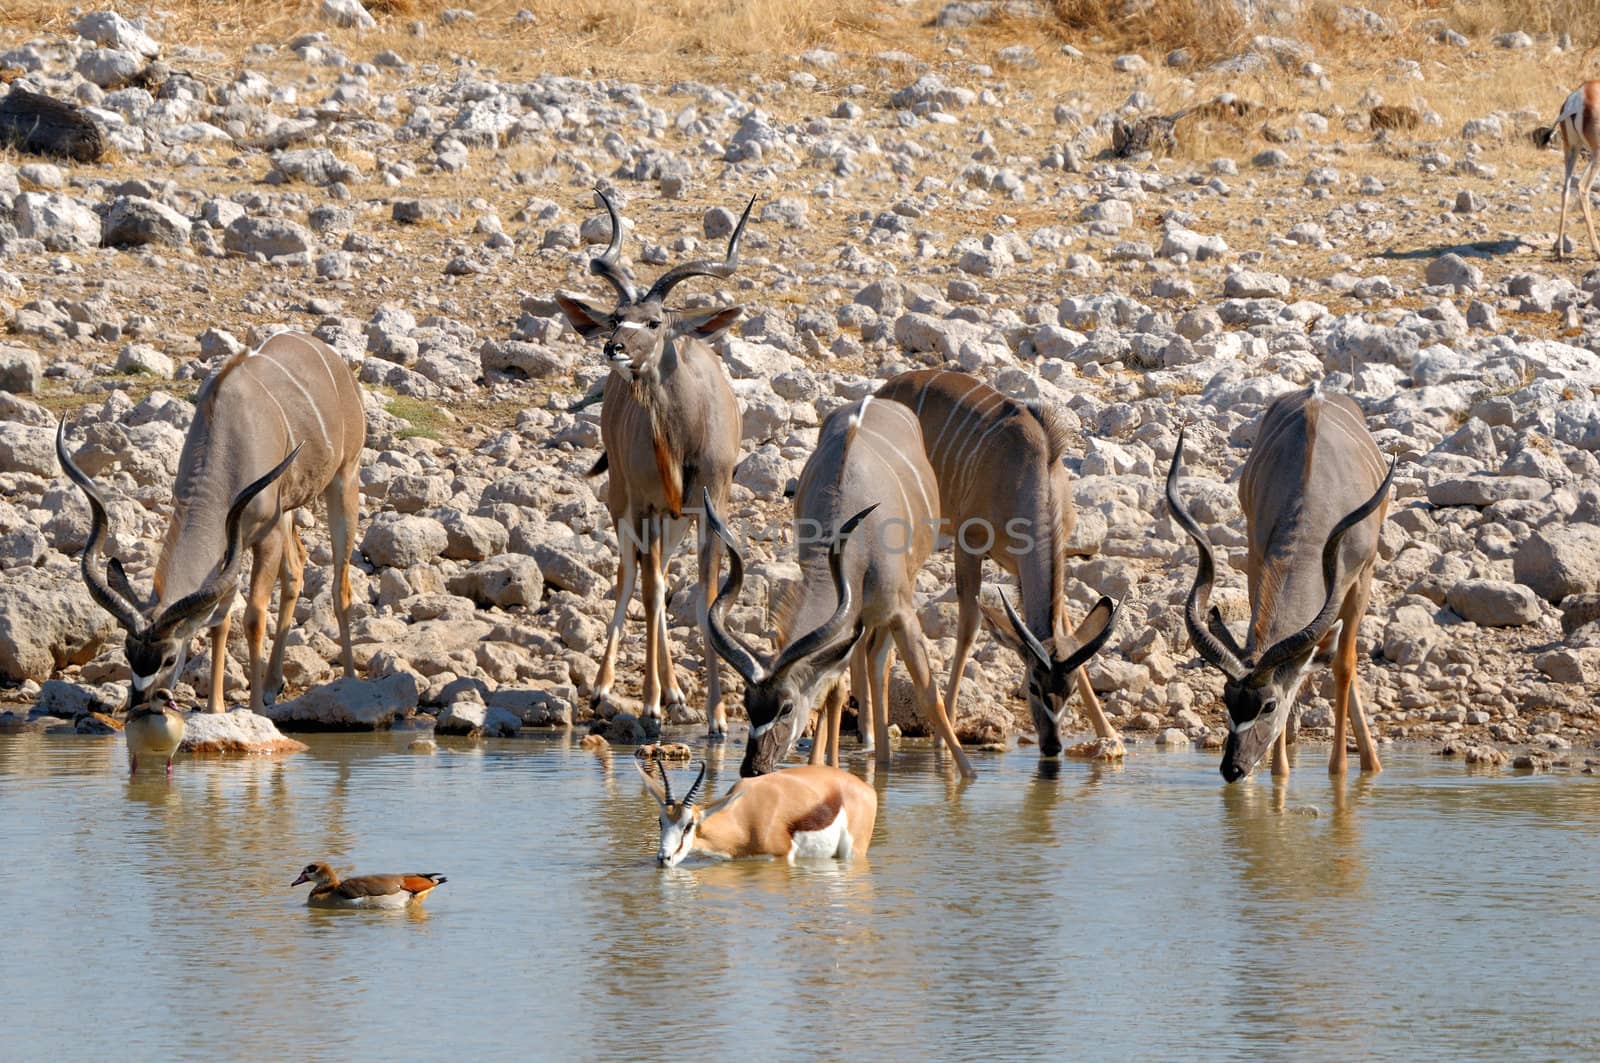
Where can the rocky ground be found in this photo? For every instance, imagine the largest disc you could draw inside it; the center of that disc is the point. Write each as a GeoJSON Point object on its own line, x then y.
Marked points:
{"type": "Point", "coordinates": [938, 191]}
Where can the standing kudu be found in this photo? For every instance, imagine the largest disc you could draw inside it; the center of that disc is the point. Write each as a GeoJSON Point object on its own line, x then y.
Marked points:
{"type": "Point", "coordinates": [1005, 494]}
{"type": "Point", "coordinates": [868, 475]}
{"type": "Point", "coordinates": [292, 398]}
{"type": "Point", "coordinates": [670, 426]}
{"type": "Point", "coordinates": [1314, 494]}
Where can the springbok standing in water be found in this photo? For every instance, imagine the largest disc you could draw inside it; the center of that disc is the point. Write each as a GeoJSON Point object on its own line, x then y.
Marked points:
{"type": "Point", "coordinates": [1004, 494]}
{"type": "Point", "coordinates": [868, 475]}
{"type": "Point", "coordinates": [292, 404]}
{"type": "Point", "coordinates": [670, 426]}
{"type": "Point", "coordinates": [1314, 493]}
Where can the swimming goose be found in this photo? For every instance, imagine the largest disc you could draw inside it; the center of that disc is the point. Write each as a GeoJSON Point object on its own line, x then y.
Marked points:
{"type": "Point", "coordinates": [365, 891]}
{"type": "Point", "coordinates": [154, 729]}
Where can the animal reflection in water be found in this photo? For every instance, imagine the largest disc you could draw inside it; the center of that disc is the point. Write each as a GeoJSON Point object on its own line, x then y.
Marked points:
{"type": "Point", "coordinates": [366, 891]}
{"type": "Point", "coordinates": [810, 812]}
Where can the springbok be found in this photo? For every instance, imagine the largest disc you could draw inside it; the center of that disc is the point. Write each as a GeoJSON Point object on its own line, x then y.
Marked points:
{"type": "Point", "coordinates": [808, 812]}
{"type": "Point", "coordinates": [291, 396]}
{"type": "Point", "coordinates": [1579, 126]}
{"type": "Point", "coordinates": [1005, 495]}
{"type": "Point", "coordinates": [670, 426]}
{"type": "Point", "coordinates": [1313, 518]}
{"type": "Point", "coordinates": [869, 462]}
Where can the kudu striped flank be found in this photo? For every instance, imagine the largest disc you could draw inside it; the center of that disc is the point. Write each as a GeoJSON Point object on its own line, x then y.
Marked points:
{"type": "Point", "coordinates": [273, 429]}
{"type": "Point", "coordinates": [670, 426]}
{"type": "Point", "coordinates": [1005, 495]}
{"type": "Point", "coordinates": [866, 512]}
{"type": "Point", "coordinates": [1314, 492]}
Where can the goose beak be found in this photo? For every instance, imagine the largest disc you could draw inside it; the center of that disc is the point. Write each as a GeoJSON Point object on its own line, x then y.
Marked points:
{"type": "Point", "coordinates": [303, 878]}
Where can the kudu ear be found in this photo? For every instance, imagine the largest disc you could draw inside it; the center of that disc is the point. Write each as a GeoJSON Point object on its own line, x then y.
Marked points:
{"type": "Point", "coordinates": [585, 318]}
{"type": "Point", "coordinates": [995, 620]}
{"type": "Point", "coordinates": [1091, 635]}
{"type": "Point", "coordinates": [708, 323]}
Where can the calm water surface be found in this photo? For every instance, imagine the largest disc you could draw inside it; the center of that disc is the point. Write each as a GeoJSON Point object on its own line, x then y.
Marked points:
{"type": "Point", "coordinates": [1146, 912]}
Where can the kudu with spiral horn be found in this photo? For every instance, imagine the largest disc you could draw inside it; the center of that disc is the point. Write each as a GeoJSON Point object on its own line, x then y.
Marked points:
{"type": "Point", "coordinates": [799, 813]}
{"type": "Point", "coordinates": [868, 474]}
{"type": "Point", "coordinates": [292, 395]}
{"type": "Point", "coordinates": [670, 428]}
{"type": "Point", "coordinates": [1314, 491]}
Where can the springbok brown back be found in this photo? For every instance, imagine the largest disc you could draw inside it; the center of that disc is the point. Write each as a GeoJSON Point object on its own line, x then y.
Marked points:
{"type": "Point", "coordinates": [292, 396]}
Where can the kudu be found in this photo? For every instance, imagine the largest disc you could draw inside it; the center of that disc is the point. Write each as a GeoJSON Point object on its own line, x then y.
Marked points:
{"type": "Point", "coordinates": [291, 396]}
{"type": "Point", "coordinates": [806, 812]}
{"type": "Point", "coordinates": [1314, 494]}
{"type": "Point", "coordinates": [1004, 494]}
{"type": "Point", "coordinates": [670, 426]}
{"type": "Point", "coordinates": [868, 475]}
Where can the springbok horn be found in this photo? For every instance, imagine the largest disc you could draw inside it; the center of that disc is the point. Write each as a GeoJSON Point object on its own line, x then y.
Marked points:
{"type": "Point", "coordinates": [743, 660]}
{"type": "Point", "coordinates": [609, 265]}
{"type": "Point", "coordinates": [1312, 633]}
{"type": "Point", "coordinates": [1205, 643]}
{"type": "Point", "coordinates": [694, 790]}
{"type": "Point", "coordinates": [1079, 657]}
{"type": "Point", "coordinates": [1026, 637]}
{"type": "Point", "coordinates": [125, 610]}
{"type": "Point", "coordinates": [703, 267]}
{"type": "Point", "coordinates": [834, 626]}
{"type": "Point", "coordinates": [201, 602]}
{"type": "Point", "coordinates": [661, 769]}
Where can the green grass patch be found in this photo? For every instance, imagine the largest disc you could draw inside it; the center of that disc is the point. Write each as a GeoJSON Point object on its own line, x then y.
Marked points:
{"type": "Point", "coordinates": [426, 421]}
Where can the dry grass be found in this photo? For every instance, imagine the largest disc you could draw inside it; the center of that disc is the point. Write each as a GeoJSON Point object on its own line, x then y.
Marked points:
{"type": "Point", "coordinates": [1207, 28]}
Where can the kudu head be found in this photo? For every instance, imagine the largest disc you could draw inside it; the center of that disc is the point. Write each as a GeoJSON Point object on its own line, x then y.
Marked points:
{"type": "Point", "coordinates": [779, 693]}
{"type": "Point", "coordinates": [157, 637]}
{"type": "Point", "coordinates": [680, 820]}
{"type": "Point", "coordinates": [1052, 666]}
{"type": "Point", "coordinates": [1259, 688]}
{"type": "Point", "coordinates": [640, 327]}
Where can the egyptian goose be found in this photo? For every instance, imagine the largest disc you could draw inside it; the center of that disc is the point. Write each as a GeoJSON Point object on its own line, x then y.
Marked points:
{"type": "Point", "coordinates": [154, 729]}
{"type": "Point", "coordinates": [365, 891]}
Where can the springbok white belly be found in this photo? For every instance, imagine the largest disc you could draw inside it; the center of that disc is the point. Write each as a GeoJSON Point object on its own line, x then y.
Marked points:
{"type": "Point", "coordinates": [831, 841]}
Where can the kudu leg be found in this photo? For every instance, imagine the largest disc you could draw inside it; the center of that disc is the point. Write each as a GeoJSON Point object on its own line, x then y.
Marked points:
{"type": "Point", "coordinates": [291, 580]}
{"type": "Point", "coordinates": [861, 689]}
{"type": "Point", "coordinates": [1280, 756]}
{"type": "Point", "coordinates": [1092, 708]}
{"type": "Point", "coordinates": [654, 603]}
{"type": "Point", "coordinates": [909, 637]}
{"type": "Point", "coordinates": [344, 499]}
{"type": "Point", "coordinates": [627, 579]}
{"type": "Point", "coordinates": [969, 575]}
{"type": "Point", "coordinates": [266, 561]}
{"type": "Point", "coordinates": [825, 739]}
{"type": "Point", "coordinates": [877, 705]}
{"type": "Point", "coordinates": [710, 561]}
{"type": "Point", "coordinates": [673, 531]}
{"type": "Point", "coordinates": [215, 702]}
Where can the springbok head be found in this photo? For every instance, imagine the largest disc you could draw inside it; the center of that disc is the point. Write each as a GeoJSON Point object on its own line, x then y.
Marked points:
{"type": "Point", "coordinates": [680, 819]}
{"type": "Point", "coordinates": [1260, 687]}
{"type": "Point", "coordinates": [639, 328]}
{"type": "Point", "coordinates": [780, 692]}
{"type": "Point", "coordinates": [158, 637]}
{"type": "Point", "coordinates": [1052, 666]}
